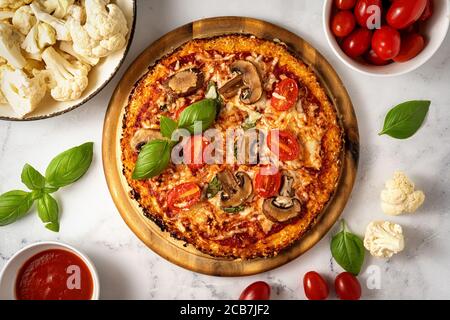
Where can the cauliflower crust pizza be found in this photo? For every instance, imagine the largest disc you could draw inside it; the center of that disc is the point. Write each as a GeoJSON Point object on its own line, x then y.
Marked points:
{"type": "Point", "coordinates": [232, 209]}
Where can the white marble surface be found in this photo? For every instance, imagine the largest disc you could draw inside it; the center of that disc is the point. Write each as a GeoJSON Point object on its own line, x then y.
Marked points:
{"type": "Point", "coordinates": [128, 270]}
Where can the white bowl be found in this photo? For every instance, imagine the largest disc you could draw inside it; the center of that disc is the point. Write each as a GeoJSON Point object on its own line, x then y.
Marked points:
{"type": "Point", "coordinates": [99, 77]}
{"type": "Point", "coordinates": [9, 273]}
{"type": "Point", "coordinates": [434, 30]}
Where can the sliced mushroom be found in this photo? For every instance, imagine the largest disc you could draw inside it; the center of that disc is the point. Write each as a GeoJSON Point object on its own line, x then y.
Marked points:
{"type": "Point", "coordinates": [281, 209]}
{"type": "Point", "coordinates": [248, 80]}
{"type": "Point", "coordinates": [186, 82]}
{"type": "Point", "coordinates": [236, 188]}
{"type": "Point", "coordinates": [285, 206]}
{"type": "Point", "coordinates": [143, 136]}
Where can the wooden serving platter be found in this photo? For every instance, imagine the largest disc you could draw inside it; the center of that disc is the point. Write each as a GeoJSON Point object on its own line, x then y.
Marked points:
{"type": "Point", "coordinates": [177, 251]}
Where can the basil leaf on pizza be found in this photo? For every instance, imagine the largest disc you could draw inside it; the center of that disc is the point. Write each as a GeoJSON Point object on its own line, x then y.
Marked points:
{"type": "Point", "coordinates": [152, 160]}
{"type": "Point", "coordinates": [201, 115]}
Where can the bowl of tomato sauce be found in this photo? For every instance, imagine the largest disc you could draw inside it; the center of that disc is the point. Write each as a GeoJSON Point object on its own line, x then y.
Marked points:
{"type": "Point", "coordinates": [385, 37]}
{"type": "Point", "coordinates": [49, 271]}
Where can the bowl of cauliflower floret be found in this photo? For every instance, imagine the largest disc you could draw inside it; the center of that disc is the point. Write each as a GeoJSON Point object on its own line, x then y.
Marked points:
{"type": "Point", "coordinates": [55, 55]}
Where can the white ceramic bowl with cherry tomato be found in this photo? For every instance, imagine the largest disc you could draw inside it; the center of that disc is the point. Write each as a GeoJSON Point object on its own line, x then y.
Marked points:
{"type": "Point", "coordinates": [434, 31]}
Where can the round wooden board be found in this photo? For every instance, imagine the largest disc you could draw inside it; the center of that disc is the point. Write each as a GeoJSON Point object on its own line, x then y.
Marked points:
{"type": "Point", "coordinates": [162, 243]}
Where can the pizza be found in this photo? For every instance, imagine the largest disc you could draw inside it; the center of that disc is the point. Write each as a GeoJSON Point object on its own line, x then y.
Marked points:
{"type": "Point", "coordinates": [260, 188]}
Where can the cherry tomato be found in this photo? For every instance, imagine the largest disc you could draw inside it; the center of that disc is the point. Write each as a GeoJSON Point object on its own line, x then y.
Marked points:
{"type": "Point", "coordinates": [343, 23]}
{"type": "Point", "coordinates": [183, 196]}
{"type": "Point", "coordinates": [403, 13]}
{"type": "Point", "coordinates": [267, 185]}
{"type": "Point", "coordinates": [288, 147]}
{"type": "Point", "coordinates": [194, 152]}
{"type": "Point", "coordinates": [374, 59]}
{"type": "Point", "coordinates": [347, 286]}
{"type": "Point", "coordinates": [285, 94]}
{"type": "Point", "coordinates": [386, 42]}
{"type": "Point", "coordinates": [428, 12]}
{"type": "Point", "coordinates": [259, 290]}
{"type": "Point", "coordinates": [344, 4]}
{"type": "Point", "coordinates": [357, 43]}
{"type": "Point", "coordinates": [316, 288]}
{"type": "Point", "coordinates": [412, 45]}
{"type": "Point", "coordinates": [362, 12]}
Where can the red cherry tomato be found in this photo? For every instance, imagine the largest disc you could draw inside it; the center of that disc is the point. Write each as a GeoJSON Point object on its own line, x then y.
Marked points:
{"type": "Point", "coordinates": [259, 290]}
{"type": "Point", "coordinates": [183, 196]}
{"type": "Point", "coordinates": [386, 42]}
{"type": "Point", "coordinates": [373, 58]}
{"type": "Point", "coordinates": [288, 147]}
{"type": "Point", "coordinates": [344, 4]}
{"type": "Point", "coordinates": [362, 12]}
{"type": "Point", "coordinates": [267, 185]}
{"type": "Point", "coordinates": [285, 94]}
{"type": "Point", "coordinates": [347, 286]}
{"type": "Point", "coordinates": [194, 150]}
{"type": "Point", "coordinates": [343, 23]}
{"type": "Point", "coordinates": [357, 43]}
{"type": "Point", "coordinates": [412, 45]}
{"type": "Point", "coordinates": [428, 12]}
{"type": "Point", "coordinates": [316, 288]}
{"type": "Point", "coordinates": [403, 13]}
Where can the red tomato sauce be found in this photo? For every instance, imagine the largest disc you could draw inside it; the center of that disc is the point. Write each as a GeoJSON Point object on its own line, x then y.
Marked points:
{"type": "Point", "coordinates": [54, 275]}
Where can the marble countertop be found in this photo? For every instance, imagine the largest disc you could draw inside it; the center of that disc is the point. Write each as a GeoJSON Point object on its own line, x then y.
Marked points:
{"type": "Point", "coordinates": [128, 270]}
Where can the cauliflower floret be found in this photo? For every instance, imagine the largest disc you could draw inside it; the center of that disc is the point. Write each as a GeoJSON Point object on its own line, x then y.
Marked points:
{"type": "Point", "coordinates": [104, 32]}
{"type": "Point", "coordinates": [2, 97]}
{"type": "Point", "coordinates": [13, 4]}
{"type": "Point", "coordinates": [24, 19]}
{"type": "Point", "coordinates": [40, 36]}
{"type": "Point", "coordinates": [22, 93]}
{"type": "Point", "coordinates": [69, 79]}
{"type": "Point", "coordinates": [383, 239]}
{"type": "Point", "coordinates": [399, 196]}
{"type": "Point", "coordinates": [62, 32]}
{"type": "Point", "coordinates": [5, 15]}
{"type": "Point", "coordinates": [67, 47]}
{"type": "Point", "coordinates": [10, 41]}
{"type": "Point", "coordinates": [58, 8]}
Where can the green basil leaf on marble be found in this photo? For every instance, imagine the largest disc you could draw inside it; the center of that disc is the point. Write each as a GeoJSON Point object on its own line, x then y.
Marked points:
{"type": "Point", "coordinates": [404, 120]}
{"type": "Point", "coordinates": [14, 205]}
{"type": "Point", "coordinates": [69, 166]}
{"type": "Point", "coordinates": [32, 178]}
{"type": "Point", "coordinates": [48, 211]}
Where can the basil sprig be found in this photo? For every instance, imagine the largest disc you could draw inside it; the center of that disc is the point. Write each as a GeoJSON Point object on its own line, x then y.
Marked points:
{"type": "Point", "coordinates": [348, 250]}
{"type": "Point", "coordinates": [154, 157]}
{"type": "Point", "coordinates": [404, 120]}
{"type": "Point", "coordinates": [64, 169]}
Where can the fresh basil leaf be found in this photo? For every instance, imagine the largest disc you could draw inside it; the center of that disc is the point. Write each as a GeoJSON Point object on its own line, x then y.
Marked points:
{"type": "Point", "coordinates": [203, 111]}
{"type": "Point", "coordinates": [48, 211]}
{"type": "Point", "coordinates": [14, 205]}
{"type": "Point", "coordinates": [404, 120]}
{"type": "Point", "coordinates": [167, 127]}
{"type": "Point", "coordinates": [348, 250]}
{"type": "Point", "coordinates": [233, 209]}
{"type": "Point", "coordinates": [32, 178]}
{"type": "Point", "coordinates": [69, 166]}
{"type": "Point", "coordinates": [152, 160]}
{"type": "Point", "coordinates": [213, 188]}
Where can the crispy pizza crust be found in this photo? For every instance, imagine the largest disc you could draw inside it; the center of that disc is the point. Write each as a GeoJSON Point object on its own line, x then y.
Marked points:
{"type": "Point", "coordinates": [314, 120]}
